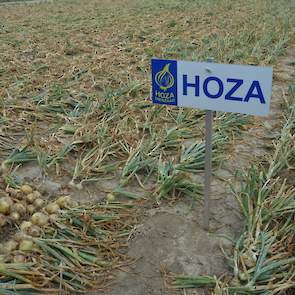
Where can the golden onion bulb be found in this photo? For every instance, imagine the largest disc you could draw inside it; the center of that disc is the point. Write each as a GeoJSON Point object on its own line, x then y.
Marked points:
{"type": "Point", "coordinates": [2, 249]}
{"type": "Point", "coordinates": [20, 208]}
{"type": "Point", "coordinates": [26, 245]}
{"type": "Point", "coordinates": [34, 231]}
{"type": "Point", "coordinates": [19, 196]}
{"type": "Point", "coordinates": [31, 209]}
{"type": "Point", "coordinates": [3, 220]}
{"type": "Point", "coordinates": [26, 189]}
{"type": "Point", "coordinates": [19, 236]}
{"type": "Point", "coordinates": [39, 218]}
{"type": "Point", "coordinates": [53, 217]}
{"type": "Point", "coordinates": [5, 205]}
{"type": "Point", "coordinates": [15, 216]}
{"type": "Point", "coordinates": [31, 198]}
{"type": "Point", "coordinates": [12, 191]}
{"type": "Point", "coordinates": [10, 245]}
{"type": "Point", "coordinates": [111, 197]}
{"type": "Point", "coordinates": [63, 202]}
{"type": "Point", "coordinates": [37, 194]}
{"type": "Point", "coordinates": [52, 208]}
{"type": "Point", "coordinates": [8, 200]}
{"type": "Point", "coordinates": [25, 225]}
{"type": "Point", "coordinates": [19, 258]}
{"type": "Point", "coordinates": [2, 258]}
{"type": "Point", "coordinates": [38, 203]}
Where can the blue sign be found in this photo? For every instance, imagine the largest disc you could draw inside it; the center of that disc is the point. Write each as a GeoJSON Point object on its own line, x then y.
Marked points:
{"type": "Point", "coordinates": [164, 77]}
{"type": "Point", "coordinates": [211, 86]}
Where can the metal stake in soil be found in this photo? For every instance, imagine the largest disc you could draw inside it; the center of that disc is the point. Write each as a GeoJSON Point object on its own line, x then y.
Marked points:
{"type": "Point", "coordinates": [208, 166]}
{"type": "Point", "coordinates": [208, 163]}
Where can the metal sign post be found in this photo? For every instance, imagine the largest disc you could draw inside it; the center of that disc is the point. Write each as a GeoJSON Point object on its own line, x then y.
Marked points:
{"type": "Point", "coordinates": [208, 166]}
{"type": "Point", "coordinates": [208, 163]}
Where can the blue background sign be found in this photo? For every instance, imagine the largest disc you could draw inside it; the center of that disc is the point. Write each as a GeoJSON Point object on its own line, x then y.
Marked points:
{"type": "Point", "coordinates": [164, 81]}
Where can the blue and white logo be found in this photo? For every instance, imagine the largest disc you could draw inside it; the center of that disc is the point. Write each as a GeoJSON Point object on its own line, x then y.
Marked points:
{"type": "Point", "coordinates": [211, 86]}
{"type": "Point", "coordinates": [164, 75]}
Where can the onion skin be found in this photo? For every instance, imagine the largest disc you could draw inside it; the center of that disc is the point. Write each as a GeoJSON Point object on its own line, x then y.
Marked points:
{"type": "Point", "coordinates": [52, 208]}
{"type": "Point", "coordinates": [3, 220]}
{"type": "Point", "coordinates": [40, 219]}
{"type": "Point", "coordinates": [39, 203]}
{"type": "Point", "coordinates": [19, 258]}
{"type": "Point", "coordinates": [2, 258]}
{"type": "Point", "coordinates": [25, 225]}
{"type": "Point", "coordinates": [26, 189]}
{"type": "Point", "coordinates": [37, 194]}
{"type": "Point", "coordinates": [19, 236]}
{"type": "Point", "coordinates": [8, 200]}
{"type": "Point", "coordinates": [10, 245]}
{"type": "Point", "coordinates": [34, 231]}
{"type": "Point", "coordinates": [31, 209]}
{"type": "Point", "coordinates": [111, 197]}
{"type": "Point", "coordinates": [15, 216]}
{"type": "Point", "coordinates": [31, 198]}
{"type": "Point", "coordinates": [4, 206]}
{"type": "Point", "coordinates": [26, 245]}
{"type": "Point", "coordinates": [19, 196]}
{"type": "Point", "coordinates": [12, 191]}
{"type": "Point", "coordinates": [63, 202]}
{"type": "Point", "coordinates": [53, 217]}
{"type": "Point", "coordinates": [20, 208]}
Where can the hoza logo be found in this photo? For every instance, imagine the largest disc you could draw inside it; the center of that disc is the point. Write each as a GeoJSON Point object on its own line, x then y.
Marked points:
{"type": "Point", "coordinates": [164, 78]}
{"type": "Point", "coordinates": [164, 75]}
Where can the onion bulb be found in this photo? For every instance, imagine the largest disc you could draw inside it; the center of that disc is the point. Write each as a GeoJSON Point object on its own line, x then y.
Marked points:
{"type": "Point", "coordinates": [5, 205]}
{"type": "Point", "coordinates": [37, 194]}
{"type": "Point", "coordinates": [63, 202]}
{"type": "Point", "coordinates": [25, 225]}
{"type": "Point", "coordinates": [111, 197]}
{"type": "Point", "coordinates": [26, 245]}
{"type": "Point", "coordinates": [12, 191]}
{"type": "Point", "coordinates": [10, 245]}
{"type": "Point", "coordinates": [39, 203]}
{"type": "Point", "coordinates": [52, 208]}
{"type": "Point", "coordinates": [20, 208]}
{"type": "Point", "coordinates": [3, 220]}
{"type": "Point", "coordinates": [19, 196]}
{"type": "Point", "coordinates": [53, 217]}
{"type": "Point", "coordinates": [15, 216]}
{"type": "Point", "coordinates": [2, 259]}
{"type": "Point", "coordinates": [26, 189]}
{"type": "Point", "coordinates": [8, 200]}
{"type": "Point", "coordinates": [34, 231]}
{"type": "Point", "coordinates": [31, 198]}
{"type": "Point", "coordinates": [19, 258]}
{"type": "Point", "coordinates": [19, 236]}
{"type": "Point", "coordinates": [31, 209]}
{"type": "Point", "coordinates": [39, 218]}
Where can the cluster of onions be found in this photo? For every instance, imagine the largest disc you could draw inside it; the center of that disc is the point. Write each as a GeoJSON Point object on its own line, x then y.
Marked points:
{"type": "Point", "coordinates": [17, 249]}
{"type": "Point", "coordinates": [26, 209]}
{"type": "Point", "coordinates": [19, 203]}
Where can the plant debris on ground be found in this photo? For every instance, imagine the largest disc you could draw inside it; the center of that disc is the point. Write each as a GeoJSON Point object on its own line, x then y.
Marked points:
{"type": "Point", "coordinates": [75, 99]}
